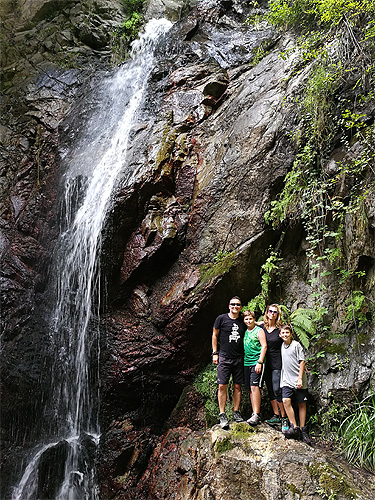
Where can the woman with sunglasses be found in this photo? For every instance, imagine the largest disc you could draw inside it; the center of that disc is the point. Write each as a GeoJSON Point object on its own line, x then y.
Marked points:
{"type": "Point", "coordinates": [271, 325]}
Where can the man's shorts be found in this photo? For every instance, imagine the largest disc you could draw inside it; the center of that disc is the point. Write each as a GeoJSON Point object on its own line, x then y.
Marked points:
{"type": "Point", "coordinates": [253, 378]}
{"type": "Point", "coordinates": [228, 367]}
{"type": "Point", "coordinates": [299, 395]}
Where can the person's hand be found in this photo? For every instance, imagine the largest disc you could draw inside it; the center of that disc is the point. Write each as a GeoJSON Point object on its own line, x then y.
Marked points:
{"type": "Point", "coordinates": [258, 368]}
{"type": "Point", "coordinates": [215, 359]}
{"type": "Point", "coordinates": [299, 383]}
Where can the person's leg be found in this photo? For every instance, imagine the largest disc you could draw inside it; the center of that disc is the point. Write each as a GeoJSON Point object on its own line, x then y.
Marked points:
{"type": "Point", "coordinates": [302, 421]}
{"type": "Point", "coordinates": [289, 411]}
{"type": "Point", "coordinates": [275, 407]}
{"type": "Point", "coordinates": [276, 375]}
{"type": "Point", "coordinates": [222, 397]}
{"type": "Point", "coordinates": [255, 399]}
{"type": "Point", "coordinates": [236, 397]}
{"type": "Point", "coordinates": [271, 395]}
{"type": "Point", "coordinates": [302, 414]}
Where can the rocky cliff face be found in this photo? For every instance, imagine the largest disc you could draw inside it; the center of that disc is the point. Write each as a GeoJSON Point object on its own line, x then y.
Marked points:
{"type": "Point", "coordinates": [209, 153]}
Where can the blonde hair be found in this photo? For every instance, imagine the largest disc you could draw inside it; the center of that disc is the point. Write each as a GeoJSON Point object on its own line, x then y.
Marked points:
{"type": "Point", "coordinates": [279, 320]}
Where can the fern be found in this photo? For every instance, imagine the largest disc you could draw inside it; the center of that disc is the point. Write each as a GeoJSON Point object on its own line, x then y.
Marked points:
{"type": "Point", "coordinates": [303, 323]}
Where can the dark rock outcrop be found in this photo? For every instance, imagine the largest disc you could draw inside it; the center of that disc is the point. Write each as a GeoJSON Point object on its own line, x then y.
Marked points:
{"type": "Point", "coordinates": [209, 153]}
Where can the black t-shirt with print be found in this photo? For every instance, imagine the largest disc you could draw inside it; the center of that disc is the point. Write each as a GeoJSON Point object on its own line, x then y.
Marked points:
{"type": "Point", "coordinates": [232, 332]}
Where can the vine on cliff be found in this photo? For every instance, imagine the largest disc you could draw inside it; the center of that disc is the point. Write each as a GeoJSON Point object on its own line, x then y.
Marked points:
{"type": "Point", "coordinates": [337, 39]}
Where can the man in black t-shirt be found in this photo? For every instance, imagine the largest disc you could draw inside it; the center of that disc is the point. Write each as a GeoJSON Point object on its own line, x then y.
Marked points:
{"type": "Point", "coordinates": [229, 330]}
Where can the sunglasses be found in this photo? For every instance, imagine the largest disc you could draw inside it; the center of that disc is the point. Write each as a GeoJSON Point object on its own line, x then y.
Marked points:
{"type": "Point", "coordinates": [234, 304]}
{"type": "Point", "coordinates": [273, 311]}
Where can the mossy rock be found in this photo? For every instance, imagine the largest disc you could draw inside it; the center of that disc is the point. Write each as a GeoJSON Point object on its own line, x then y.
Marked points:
{"type": "Point", "coordinates": [241, 430]}
{"type": "Point", "coordinates": [223, 445]}
{"type": "Point", "coordinates": [331, 481]}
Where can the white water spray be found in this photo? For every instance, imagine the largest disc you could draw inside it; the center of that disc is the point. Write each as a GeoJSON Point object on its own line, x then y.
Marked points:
{"type": "Point", "coordinates": [99, 158]}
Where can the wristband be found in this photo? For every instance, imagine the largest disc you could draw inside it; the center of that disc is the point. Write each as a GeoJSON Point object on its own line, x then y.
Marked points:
{"type": "Point", "coordinates": [260, 362]}
{"type": "Point", "coordinates": [215, 353]}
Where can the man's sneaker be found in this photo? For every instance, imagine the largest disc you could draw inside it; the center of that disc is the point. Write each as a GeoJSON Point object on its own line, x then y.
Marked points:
{"type": "Point", "coordinates": [304, 436]}
{"type": "Point", "coordinates": [224, 424]}
{"type": "Point", "coordinates": [254, 419]}
{"type": "Point", "coordinates": [274, 420]}
{"type": "Point", "coordinates": [237, 417]}
{"type": "Point", "coordinates": [292, 432]}
{"type": "Point", "coordinates": [284, 424]}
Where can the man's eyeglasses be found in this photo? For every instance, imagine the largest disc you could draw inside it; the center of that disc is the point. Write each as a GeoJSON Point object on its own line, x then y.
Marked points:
{"type": "Point", "coordinates": [233, 304]}
{"type": "Point", "coordinates": [272, 311]}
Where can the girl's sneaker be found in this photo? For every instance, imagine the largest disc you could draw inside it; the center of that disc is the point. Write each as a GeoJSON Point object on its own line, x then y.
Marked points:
{"type": "Point", "coordinates": [284, 424]}
{"type": "Point", "coordinates": [275, 420]}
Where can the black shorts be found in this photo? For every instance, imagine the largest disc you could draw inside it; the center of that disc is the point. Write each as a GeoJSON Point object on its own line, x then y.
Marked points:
{"type": "Point", "coordinates": [253, 378]}
{"type": "Point", "coordinates": [299, 395]}
{"type": "Point", "coordinates": [228, 367]}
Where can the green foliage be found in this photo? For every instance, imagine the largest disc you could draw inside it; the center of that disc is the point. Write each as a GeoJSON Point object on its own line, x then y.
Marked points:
{"type": "Point", "coordinates": [259, 53]}
{"type": "Point", "coordinates": [317, 104]}
{"type": "Point", "coordinates": [123, 35]}
{"type": "Point", "coordinates": [291, 14]}
{"type": "Point", "coordinates": [130, 27]}
{"type": "Point", "coordinates": [357, 434]}
{"type": "Point", "coordinates": [131, 6]}
{"type": "Point", "coordinates": [269, 271]}
{"type": "Point", "coordinates": [331, 419]}
{"type": "Point", "coordinates": [303, 321]}
{"type": "Point", "coordinates": [206, 385]}
{"type": "Point", "coordinates": [352, 429]}
{"type": "Point", "coordinates": [305, 15]}
{"type": "Point", "coordinates": [356, 307]}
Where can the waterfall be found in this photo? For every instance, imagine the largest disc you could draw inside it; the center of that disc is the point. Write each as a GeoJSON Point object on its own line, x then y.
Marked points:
{"type": "Point", "coordinates": [91, 171]}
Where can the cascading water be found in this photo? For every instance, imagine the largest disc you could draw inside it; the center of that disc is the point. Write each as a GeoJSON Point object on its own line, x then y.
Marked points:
{"type": "Point", "coordinates": [90, 178]}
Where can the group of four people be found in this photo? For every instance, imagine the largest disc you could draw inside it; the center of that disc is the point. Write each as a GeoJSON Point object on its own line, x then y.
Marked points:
{"type": "Point", "coordinates": [257, 352]}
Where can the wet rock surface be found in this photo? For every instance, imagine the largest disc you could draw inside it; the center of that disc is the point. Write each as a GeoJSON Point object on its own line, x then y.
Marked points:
{"type": "Point", "coordinates": [209, 152]}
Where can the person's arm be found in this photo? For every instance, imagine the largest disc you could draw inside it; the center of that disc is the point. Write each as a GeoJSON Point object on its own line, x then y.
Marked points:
{"type": "Point", "coordinates": [300, 374]}
{"type": "Point", "coordinates": [262, 355]}
{"type": "Point", "coordinates": [215, 336]}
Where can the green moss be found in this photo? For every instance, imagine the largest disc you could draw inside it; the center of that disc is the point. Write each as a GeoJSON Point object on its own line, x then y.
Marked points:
{"type": "Point", "coordinates": [166, 149]}
{"type": "Point", "coordinates": [331, 482]}
{"type": "Point", "coordinates": [293, 489]}
{"type": "Point", "coordinates": [223, 445]}
{"type": "Point", "coordinates": [330, 347]}
{"type": "Point", "coordinates": [223, 263]}
{"type": "Point", "coordinates": [362, 340]}
{"type": "Point", "coordinates": [241, 431]}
